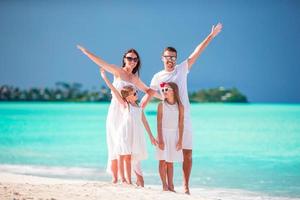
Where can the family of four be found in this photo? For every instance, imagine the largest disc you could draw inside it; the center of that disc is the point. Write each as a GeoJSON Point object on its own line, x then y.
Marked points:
{"type": "Point", "coordinates": [126, 120]}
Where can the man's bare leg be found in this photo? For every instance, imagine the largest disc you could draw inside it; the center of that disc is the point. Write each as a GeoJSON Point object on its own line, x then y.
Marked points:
{"type": "Point", "coordinates": [186, 168]}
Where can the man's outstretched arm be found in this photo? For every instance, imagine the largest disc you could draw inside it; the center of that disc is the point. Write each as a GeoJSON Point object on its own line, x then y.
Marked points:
{"type": "Point", "coordinates": [215, 30]}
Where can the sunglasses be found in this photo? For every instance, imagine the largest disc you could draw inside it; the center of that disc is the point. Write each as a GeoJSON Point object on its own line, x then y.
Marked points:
{"type": "Point", "coordinates": [166, 89]}
{"type": "Point", "coordinates": [130, 59]}
{"type": "Point", "coordinates": [172, 58]}
{"type": "Point", "coordinates": [134, 94]}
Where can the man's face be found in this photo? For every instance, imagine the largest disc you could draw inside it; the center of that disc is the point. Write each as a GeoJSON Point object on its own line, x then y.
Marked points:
{"type": "Point", "coordinates": [169, 60]}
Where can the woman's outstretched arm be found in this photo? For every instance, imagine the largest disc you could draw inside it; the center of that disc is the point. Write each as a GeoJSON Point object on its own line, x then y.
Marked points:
{"type": "Point", "coordinates": [215, 30]}
{"type": "Point", "coordinates": [113, 89]}
{"type": "Point", "coordinates": [101, 63]}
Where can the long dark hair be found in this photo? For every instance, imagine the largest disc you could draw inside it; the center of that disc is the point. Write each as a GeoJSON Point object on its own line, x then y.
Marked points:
{"type": "Point", "coordinates": [138, 65]}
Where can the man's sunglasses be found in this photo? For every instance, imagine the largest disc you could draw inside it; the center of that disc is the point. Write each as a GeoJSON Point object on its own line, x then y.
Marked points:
{"type": "Point", "coordinates": [172, 58]}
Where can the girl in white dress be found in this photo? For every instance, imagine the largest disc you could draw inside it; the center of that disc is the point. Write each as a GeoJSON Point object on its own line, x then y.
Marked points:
{"type": "Point", "coordinates": [127, 73]}
{"type": "Point", "coordinates": [170, 116]}
{"type": "Point", "coordinates": [130, 144]}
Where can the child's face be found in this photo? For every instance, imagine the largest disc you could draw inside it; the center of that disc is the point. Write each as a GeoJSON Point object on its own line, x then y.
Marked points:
{"type": "Point", "coordinates": [132, 96]}
{"type": "Point", "coordinates": [167, 91]}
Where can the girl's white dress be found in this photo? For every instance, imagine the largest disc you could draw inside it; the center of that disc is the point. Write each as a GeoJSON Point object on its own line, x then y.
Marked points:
{"type": "Point", "coordinates": [131, 137]}
{"type": "Point", "coordinates": [170, 134]}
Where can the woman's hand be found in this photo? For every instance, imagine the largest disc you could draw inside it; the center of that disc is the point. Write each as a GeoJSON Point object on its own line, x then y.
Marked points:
{"type": "Point", "coordinates": [82, 49]}
{"type": "Point", "coordinates": [215, 30]}
{"type": "Point", "coordinates": [102, 72]}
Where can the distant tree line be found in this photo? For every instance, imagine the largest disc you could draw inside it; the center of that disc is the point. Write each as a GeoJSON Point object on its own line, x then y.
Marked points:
{"type": "Point", "coordinates": [62, 92]}
{"type": "Point", "coordinates": [73, 92]}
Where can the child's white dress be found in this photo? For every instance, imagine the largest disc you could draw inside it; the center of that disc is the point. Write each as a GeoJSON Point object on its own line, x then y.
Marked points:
{"type": "Point", "coordinates": [131, 136]}
{"type": "Point", "coordinates": [170, 134]}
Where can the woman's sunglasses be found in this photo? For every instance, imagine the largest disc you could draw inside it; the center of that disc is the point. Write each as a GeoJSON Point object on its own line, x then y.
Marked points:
{"type": "Point", "coordinates": [130, 59]}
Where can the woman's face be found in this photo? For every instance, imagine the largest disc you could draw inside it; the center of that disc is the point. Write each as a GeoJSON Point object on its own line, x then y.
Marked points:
{"type": "Point", "coordinates": [131, 60]}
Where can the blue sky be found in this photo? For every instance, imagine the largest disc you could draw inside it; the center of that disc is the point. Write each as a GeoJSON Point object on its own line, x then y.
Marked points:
{"type": "Point", "coordinates": [258, 50]}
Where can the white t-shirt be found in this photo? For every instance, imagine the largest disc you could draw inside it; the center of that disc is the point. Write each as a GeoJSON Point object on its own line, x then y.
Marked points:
{"type": "Point", "coordinates": [178, 76]}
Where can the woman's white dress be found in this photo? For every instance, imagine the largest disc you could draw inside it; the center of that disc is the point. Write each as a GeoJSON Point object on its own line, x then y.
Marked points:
{"type": "Point", "coordinates": [125, 131]}
{"type": "Point", "coordinates": [115, 115]}
{"type": "Point", "coordinates": [170, 134]}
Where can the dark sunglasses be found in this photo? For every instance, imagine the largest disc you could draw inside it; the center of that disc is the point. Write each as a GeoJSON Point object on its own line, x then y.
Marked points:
{"type": "Point", "coordinates": [173, 58]}
{"type": "Point", "coordinates": [132, 59]}
{"type": "Point", "coordinates": [166, 89]}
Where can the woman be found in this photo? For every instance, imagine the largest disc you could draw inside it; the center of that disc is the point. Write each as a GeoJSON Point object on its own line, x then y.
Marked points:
{"type": "Point", "coordinates": [128, 74]}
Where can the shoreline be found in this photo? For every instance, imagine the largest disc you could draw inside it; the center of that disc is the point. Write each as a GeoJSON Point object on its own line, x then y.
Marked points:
{"type": "Point", "coordinates": [17, 186]}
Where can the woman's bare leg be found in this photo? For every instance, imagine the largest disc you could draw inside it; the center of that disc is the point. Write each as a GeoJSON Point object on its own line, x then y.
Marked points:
{"type": "Point", "coordinates": [121, 168]}
{"type": "Point", "coordinates": [114, 170]}
{"type": "Point", "coordinates": [127, 159]}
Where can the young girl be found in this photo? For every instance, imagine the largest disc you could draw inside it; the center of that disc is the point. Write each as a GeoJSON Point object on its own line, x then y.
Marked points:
{"type": "Point", "coordinates": [170, 117]}
{"type": "Point", "coordinates": [131, 144]}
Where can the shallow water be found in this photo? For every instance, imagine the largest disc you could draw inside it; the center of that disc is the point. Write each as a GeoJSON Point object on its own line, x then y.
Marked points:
{"type": "Point", "coordinates": [254, 147]}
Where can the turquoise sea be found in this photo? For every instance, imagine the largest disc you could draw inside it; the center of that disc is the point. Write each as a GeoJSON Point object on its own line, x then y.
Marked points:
{"type": "Point", "coordinates": [251, 147]}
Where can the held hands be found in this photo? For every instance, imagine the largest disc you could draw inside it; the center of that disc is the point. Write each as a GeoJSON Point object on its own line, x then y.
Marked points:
{"type": "Point", "coordinates": [179, 145]}
{"type": "Point", "coordinates": [161, 144]}
{"type": "Point", "coordinates": [215, 30]}
{"type": "Point", "coordinates": [153, 141]}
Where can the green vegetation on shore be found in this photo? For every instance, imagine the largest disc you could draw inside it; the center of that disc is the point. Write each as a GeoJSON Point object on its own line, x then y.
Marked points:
{"type": "Point", "coordinates": [74, 93]}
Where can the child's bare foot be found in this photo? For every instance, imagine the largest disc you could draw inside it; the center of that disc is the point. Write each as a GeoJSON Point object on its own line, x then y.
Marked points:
{"type": "Point", "coordinates": [171, 188]}
{"type": "Point", "coordinates": [187, 191]}
{"type": "Point", "coordinates": [139, 183]}
{"type": "Point", "coordinates": [165, 188]}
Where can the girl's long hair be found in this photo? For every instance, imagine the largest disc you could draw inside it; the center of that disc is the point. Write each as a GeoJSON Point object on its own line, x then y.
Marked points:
{"type": "Point", "coordinates": [176, 93]}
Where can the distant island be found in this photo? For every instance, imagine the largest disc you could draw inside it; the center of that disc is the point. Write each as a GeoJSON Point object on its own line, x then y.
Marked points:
{"type": "Point", "coordinates": [73, 92]}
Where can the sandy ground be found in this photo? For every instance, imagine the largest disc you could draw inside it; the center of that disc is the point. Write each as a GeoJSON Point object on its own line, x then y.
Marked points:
{"type": "Point", "coordinates": [26, 187]}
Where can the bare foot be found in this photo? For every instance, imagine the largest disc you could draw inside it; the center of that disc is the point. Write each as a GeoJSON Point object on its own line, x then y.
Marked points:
{"type": "Point", "coordinates": [165, 188]}
{"type": "Point", "coordinates": [114, 181]}
{"type": "Point", "coordinates": [171, 188]}
{"type": "Point", "coordinates": [187, 191]}
{"type": "Point", "coordinates": [139, 183]}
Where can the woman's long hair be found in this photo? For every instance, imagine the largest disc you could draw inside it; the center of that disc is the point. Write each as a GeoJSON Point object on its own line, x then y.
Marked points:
{"type": "Point", "coordinates": [138, 64]}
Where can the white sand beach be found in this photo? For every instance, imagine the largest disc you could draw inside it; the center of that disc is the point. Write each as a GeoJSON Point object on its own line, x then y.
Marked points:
{"type": "Point", "coordinates": [26, 187]}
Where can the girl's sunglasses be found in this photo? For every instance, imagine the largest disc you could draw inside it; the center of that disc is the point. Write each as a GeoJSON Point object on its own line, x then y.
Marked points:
{"type": "Point", "coordinates": [130, 59]}
{"type": "Point", "coordinates": [166, 89]}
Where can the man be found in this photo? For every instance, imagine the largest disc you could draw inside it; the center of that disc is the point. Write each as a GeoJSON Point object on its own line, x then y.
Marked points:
{"type": "Point", "coordinates": [178, 74]}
